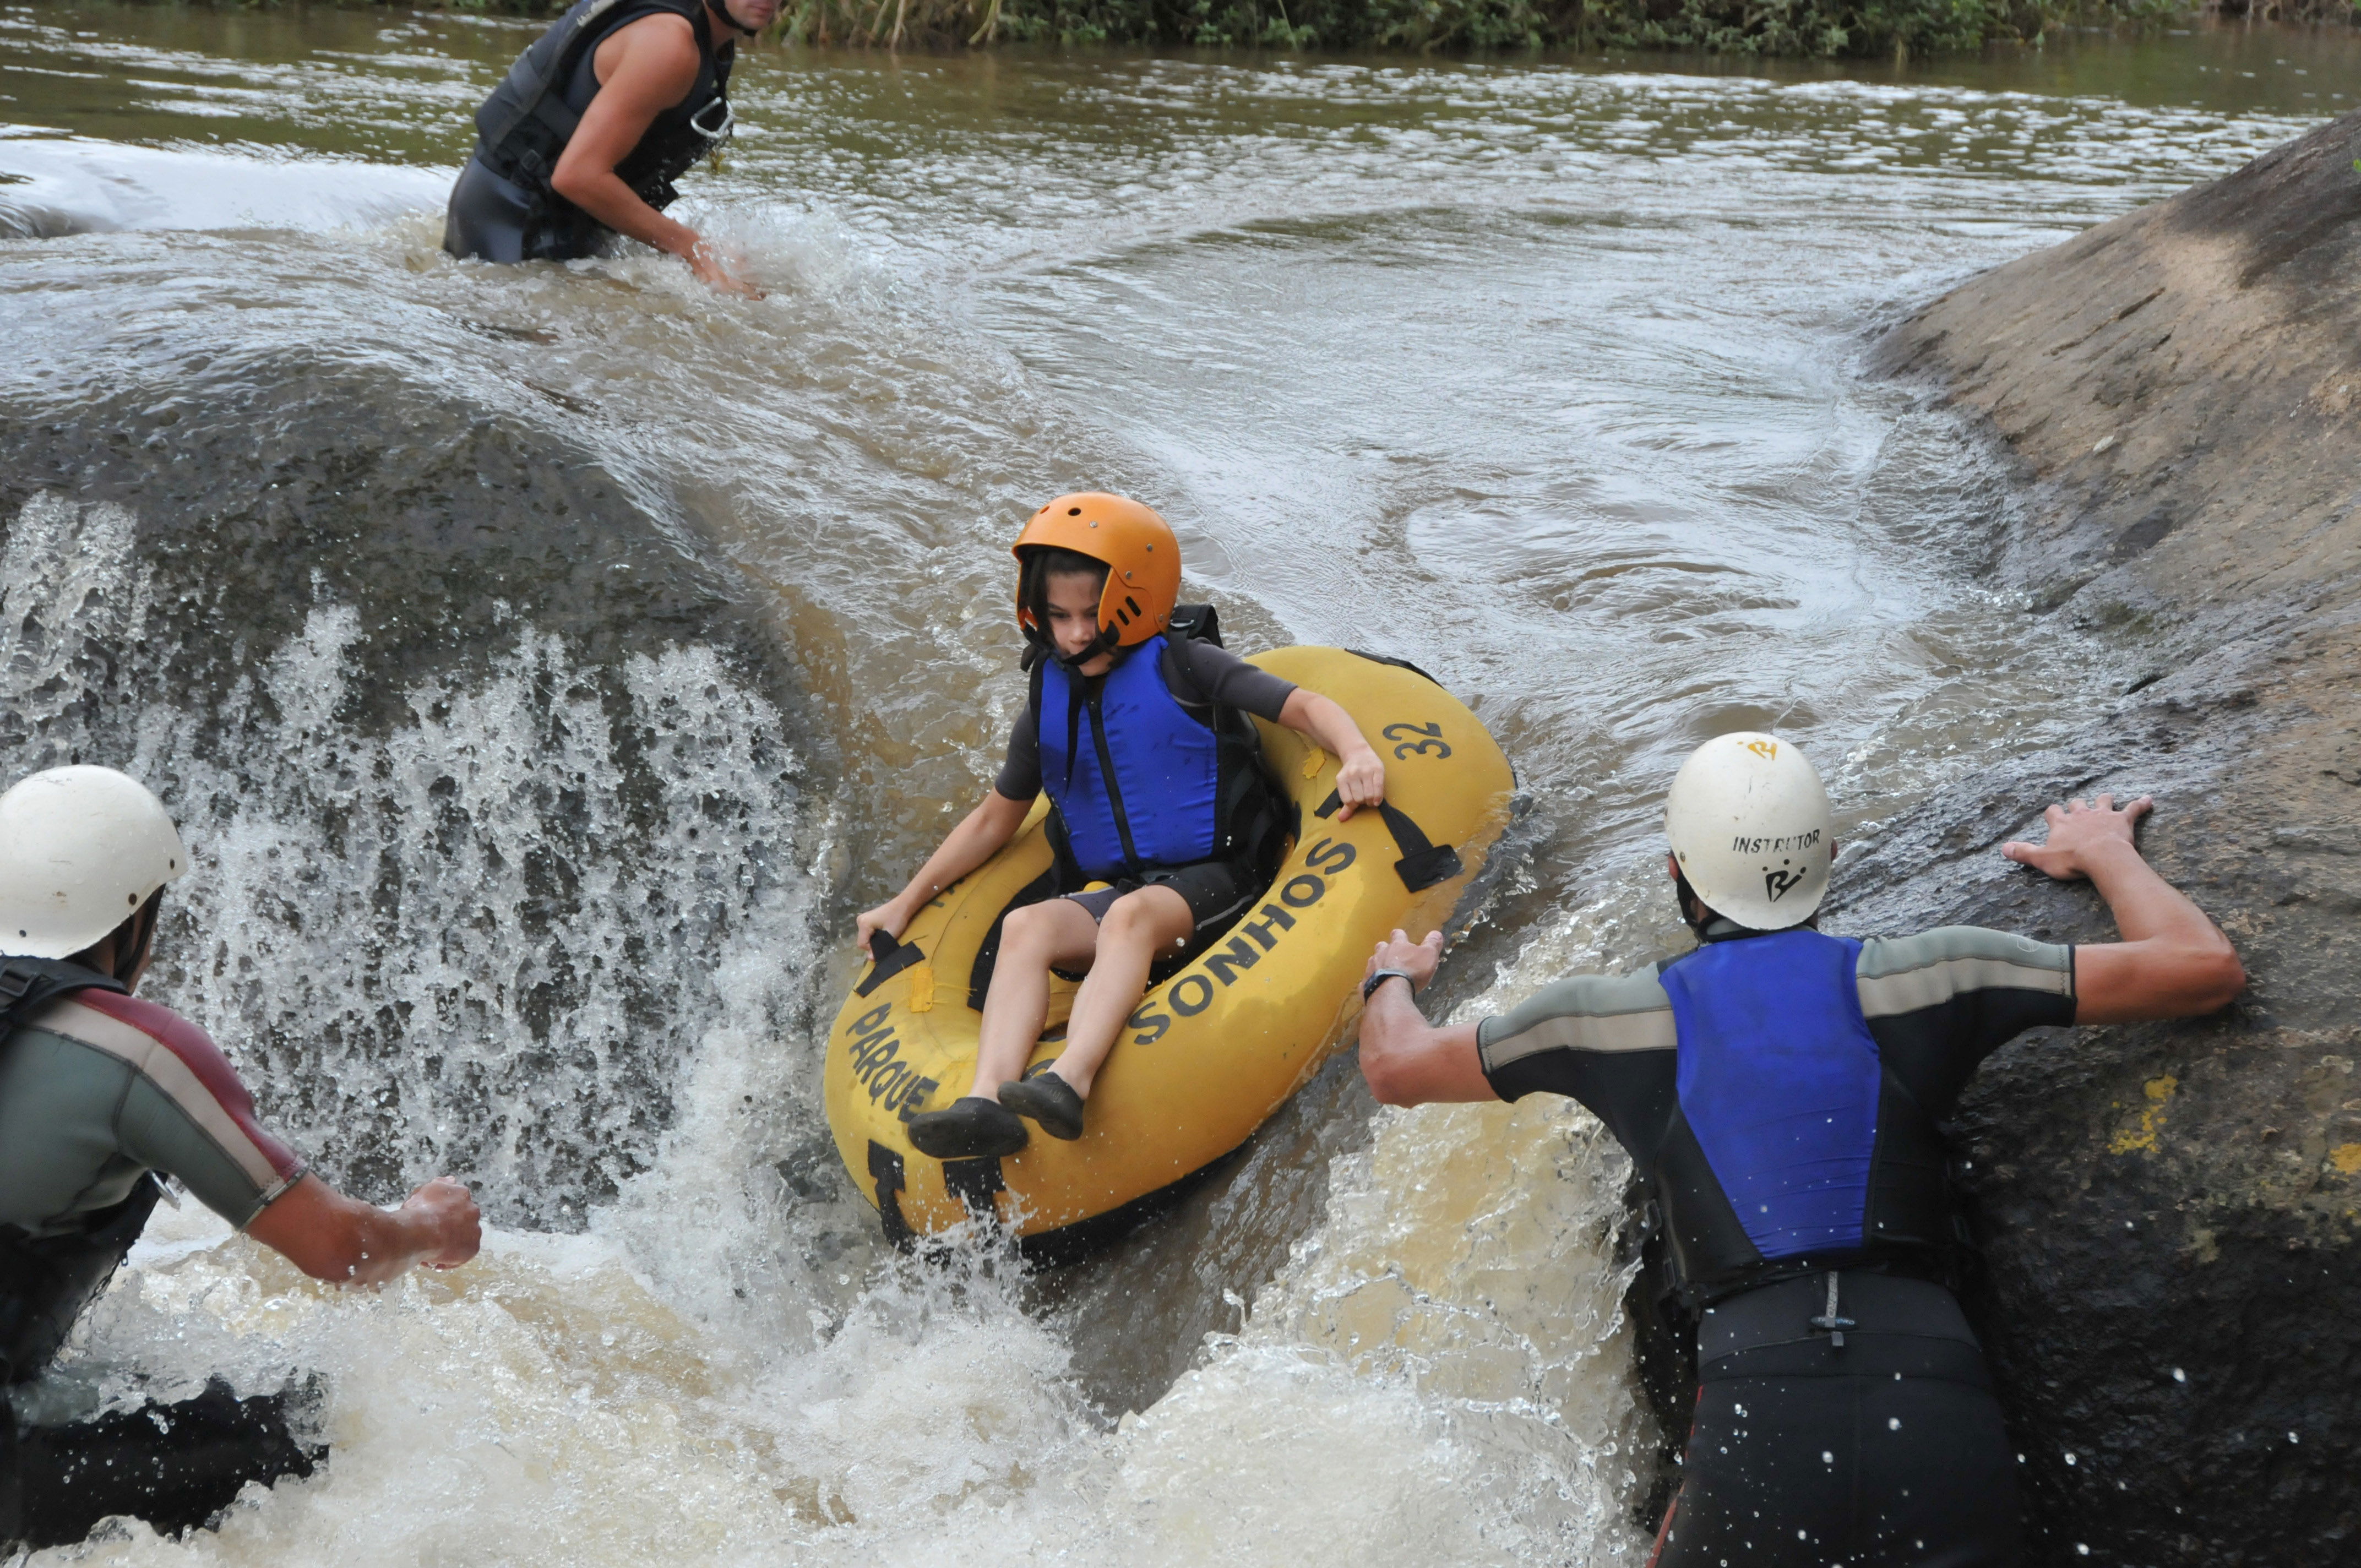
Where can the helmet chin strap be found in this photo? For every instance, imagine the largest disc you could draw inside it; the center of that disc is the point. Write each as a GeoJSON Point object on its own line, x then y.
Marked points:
{"type": "Point", "coordinates": [127, 963]}
{"type": "Point", "coordinates": [1699, 915]}
{"type": "Point", "coordinates": [1693, 911]}
{"type": "Point", "coordinates": [1103, 642]}
{"type": "Point", "coordinates": [1045, 646]}
{"type": "Point", "coordinates": [721, 14]}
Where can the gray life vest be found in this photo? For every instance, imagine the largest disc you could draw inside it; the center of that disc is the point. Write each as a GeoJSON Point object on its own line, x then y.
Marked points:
{"type": "Point", "coordinates": [524, 126]}
{"type": "Point", "coordinates": [47, 1282]}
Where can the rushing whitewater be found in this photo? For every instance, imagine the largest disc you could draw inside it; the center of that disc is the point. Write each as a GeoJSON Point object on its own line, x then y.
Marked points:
{"type": "Point", "coordinates": [544, 662]}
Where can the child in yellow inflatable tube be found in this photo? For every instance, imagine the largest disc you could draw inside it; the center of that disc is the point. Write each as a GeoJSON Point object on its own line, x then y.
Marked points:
{"type": "Point", "coordinates": [1162, 821]}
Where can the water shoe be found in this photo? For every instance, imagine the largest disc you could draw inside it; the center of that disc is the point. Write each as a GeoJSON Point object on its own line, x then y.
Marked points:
{"type": "Point", "coordinates": [970, 1127]}
{"type": "Point", "coordinates": [1048, 1100]}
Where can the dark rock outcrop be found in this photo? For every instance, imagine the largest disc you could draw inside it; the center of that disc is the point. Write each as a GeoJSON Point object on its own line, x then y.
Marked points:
{"type": "Point", "coordinates": [2171, 1213]}
{"type": "Point", "coordinates": [412, 643]}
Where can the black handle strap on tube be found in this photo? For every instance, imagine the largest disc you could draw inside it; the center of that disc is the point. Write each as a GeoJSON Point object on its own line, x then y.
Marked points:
{"type": "Point", "coordinates": [1423, 864]}
{"type": "Point", "coordinates": [888, 958]}
{"type": "Point", "coordinates": [885, 1168]}
{"type": "Point", "coordinates": [975, 1183]}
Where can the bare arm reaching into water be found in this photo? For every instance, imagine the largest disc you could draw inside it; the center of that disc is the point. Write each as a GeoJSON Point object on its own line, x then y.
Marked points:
{"type": "Point", "coordinates": [645, 69]}
{"type": "Point", "coordinates": [342, 1240]}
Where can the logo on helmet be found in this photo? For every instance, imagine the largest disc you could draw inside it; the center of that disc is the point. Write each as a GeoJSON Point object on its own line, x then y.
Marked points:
{"type": "Point", "coordinates": [1745, 846]}
{"type": "Point", "coordinates": [1780, 883]}
{"type": "Point", "coordinates": [1766, 750]}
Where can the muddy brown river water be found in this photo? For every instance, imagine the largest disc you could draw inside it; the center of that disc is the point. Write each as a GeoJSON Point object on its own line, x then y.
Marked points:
{"type": "Point", "coordinates": [1539, 375]}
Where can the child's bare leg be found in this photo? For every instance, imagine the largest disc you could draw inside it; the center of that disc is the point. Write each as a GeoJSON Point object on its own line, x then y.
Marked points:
{"type": "Point", "coordinates": [1138, 927]}
{"type": "Point", "coordinates": [1058, 933]}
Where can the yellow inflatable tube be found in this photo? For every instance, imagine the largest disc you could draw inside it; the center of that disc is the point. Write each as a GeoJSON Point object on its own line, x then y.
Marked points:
{"type": "Point", "coordinates": [1219, 1045]}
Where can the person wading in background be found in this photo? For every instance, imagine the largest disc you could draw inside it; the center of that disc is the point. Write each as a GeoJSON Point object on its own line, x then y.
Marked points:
{"type": "Point", "coordinates": [583, 138]}
{"type": "Point", "coordinates": [100, 1093]}
{"type": "Point", "coordinates": [1780, 1092]}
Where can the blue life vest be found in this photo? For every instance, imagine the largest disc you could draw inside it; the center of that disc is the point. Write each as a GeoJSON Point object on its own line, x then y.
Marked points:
{"type": "Point", "coordinates": [1779, 1081]}
{"type": "Point", "coordinates": [1135, 778]}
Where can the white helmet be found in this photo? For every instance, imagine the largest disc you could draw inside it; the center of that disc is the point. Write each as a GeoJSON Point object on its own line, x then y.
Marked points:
{"type": "Point", "coordinates": [80, 849]}
{"type": "Point", "coordinates": [1750, 825]}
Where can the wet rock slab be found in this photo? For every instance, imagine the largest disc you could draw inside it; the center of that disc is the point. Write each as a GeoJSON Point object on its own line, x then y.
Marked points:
{"type": "Point", "coordinates": [2168, 1212]}
{"type": "Point", "coordinates": [476, 739]}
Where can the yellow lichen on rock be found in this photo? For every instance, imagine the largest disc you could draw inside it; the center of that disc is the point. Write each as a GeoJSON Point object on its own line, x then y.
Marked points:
{"type": "Point", "coordinates": [2142, 1138]}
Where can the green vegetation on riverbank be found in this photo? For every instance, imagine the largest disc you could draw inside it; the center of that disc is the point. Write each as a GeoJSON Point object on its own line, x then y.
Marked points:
{"type": "Point", "coordinates": [1776, 27]}
{"type": "Point", "coordinates": [1824, 28]}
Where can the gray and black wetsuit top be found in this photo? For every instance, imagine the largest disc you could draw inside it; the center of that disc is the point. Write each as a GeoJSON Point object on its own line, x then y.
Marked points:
{"type": "Point", "coordinates": [503, 208]}
{"type": "Point", "coordinates": [1780, 1092]}
{"type": "Point", "coordinates": [97, 1091]}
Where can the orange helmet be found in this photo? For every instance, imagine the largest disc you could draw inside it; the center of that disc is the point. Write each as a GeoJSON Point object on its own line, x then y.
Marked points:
{"type": "Point", "coordinates": [1142, 557]}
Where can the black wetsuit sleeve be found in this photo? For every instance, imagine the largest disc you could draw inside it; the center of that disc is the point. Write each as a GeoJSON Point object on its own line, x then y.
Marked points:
{"type": "Point", "coordinates": [1201, 674]}
{"type": "Point", "coordinates": [1939, 1003]}
{"type": "Point", "coordinates": [1605, 1041]}
{"type": "Point", "coordinates": [1020, 773]}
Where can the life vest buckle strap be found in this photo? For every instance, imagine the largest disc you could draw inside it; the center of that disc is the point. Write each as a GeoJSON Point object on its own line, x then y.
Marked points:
{"type": "Point", "coordinates": [719, 131]}
{"type": "Point", "coordinates": [26, 983]}
{"type": "Point", "coordinates": [1829, 1322]}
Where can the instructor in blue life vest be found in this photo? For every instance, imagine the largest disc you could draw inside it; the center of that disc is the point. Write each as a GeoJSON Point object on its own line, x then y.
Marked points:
{"type": "Point", "coordinates": [1780, 1092]}
{"type": "Point", "coordinates": [583, 138]}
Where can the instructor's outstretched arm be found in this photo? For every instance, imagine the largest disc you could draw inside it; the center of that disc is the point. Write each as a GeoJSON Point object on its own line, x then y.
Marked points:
{"type": "Point", "coordinates": [1406, 1059]}
{"type": "Point", "coordinates": [342, 1240]}
{"type": "Point", "coordinates": [2173, 962]}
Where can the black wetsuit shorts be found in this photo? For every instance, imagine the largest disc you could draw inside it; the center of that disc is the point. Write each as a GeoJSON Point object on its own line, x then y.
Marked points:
{"type": "Point", "coordinates": [1217, 893]}
{"type": "Point", "coordinates": [1888, 1452]}
{"type": "Point", "coordinates": [177, 1466]}
{"type": "Point", "coordinates": [493, 219]}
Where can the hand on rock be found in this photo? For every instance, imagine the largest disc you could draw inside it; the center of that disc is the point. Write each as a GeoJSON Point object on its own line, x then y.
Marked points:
{"type": "Point", "coordinates": [2078, 830]}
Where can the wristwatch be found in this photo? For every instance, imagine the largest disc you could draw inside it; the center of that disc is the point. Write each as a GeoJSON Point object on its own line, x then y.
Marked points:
{"type": "Point", "coordinates": [1369, 986]}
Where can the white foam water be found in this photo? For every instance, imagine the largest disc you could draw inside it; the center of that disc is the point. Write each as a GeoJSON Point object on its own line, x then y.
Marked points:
{"type": "Point", "coordinates": [1438, 1375]}
{"type": "Point", "coordinates": [67, 185]}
